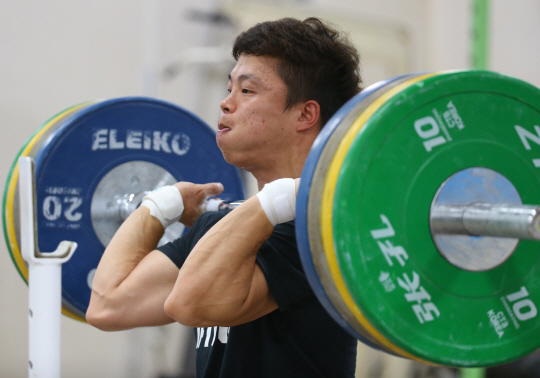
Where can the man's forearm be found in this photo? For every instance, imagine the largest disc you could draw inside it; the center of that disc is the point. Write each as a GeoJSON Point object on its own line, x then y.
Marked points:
{"type": "Point", "coordinates": [219, 279]}
{"type": "Point", "coordinates": [136, 237]}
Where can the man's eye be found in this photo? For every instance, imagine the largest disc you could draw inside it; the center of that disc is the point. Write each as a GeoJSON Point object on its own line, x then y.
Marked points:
{"type": "Point", "coordinates": [228, 90]}
{"type": "Point", "coordinates": [246, 91]}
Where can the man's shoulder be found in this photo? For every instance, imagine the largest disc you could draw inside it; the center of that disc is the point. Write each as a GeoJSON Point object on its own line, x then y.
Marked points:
{"type": "Point", "coordinates": [285, 231]}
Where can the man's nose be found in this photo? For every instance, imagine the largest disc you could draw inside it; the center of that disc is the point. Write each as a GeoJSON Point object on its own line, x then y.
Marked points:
{"type": "Point", "coordinates": [227, 104]}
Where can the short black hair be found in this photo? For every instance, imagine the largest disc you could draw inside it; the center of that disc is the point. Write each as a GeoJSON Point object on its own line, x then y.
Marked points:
{"type": "Point", "coordinates": [316, 61]}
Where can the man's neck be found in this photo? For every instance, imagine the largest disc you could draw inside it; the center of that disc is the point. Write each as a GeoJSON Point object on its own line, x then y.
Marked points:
{"type": "Point", "coordinates": [287, 165]}
{"type": "Point", "coordinates": [292, 168]}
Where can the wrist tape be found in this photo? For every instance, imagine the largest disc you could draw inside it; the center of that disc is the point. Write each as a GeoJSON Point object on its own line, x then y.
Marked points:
{"type": "Point", "coordinates": [165, 204]}
{"type": "Point", "coordinates": [278, 200]}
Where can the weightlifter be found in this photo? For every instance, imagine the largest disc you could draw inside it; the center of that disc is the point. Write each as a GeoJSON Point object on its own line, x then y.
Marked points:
{"type": "Point", "coordinates": [236, 275]}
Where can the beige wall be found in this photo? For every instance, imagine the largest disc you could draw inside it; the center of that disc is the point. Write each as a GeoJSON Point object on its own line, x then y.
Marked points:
{"type": "Point", "coordinates": [57, 53]}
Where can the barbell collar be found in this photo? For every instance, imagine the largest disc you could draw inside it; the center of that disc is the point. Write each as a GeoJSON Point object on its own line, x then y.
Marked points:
{"type": "Point", "coordinates": [486, 219]}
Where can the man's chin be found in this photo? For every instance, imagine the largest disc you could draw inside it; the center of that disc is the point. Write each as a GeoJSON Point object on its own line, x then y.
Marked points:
{"type": "Point", "coordinates": [229, 158]}
{"type": "Point", "coordinates": [236, 159]}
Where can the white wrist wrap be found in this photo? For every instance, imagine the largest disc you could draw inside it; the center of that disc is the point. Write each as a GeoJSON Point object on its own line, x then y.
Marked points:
{"type": "Point", "coordinates": [278, 200]}
{"type": "Point", "coordinates": [165, 204]}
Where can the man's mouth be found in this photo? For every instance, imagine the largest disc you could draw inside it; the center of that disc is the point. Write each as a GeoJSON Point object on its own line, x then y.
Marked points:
{"type": "Point", "coordinates": [223, 127]}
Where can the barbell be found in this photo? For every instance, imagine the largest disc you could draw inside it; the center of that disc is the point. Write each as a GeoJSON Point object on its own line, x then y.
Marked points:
{"type": "Point", "coordinates": [411, 223]}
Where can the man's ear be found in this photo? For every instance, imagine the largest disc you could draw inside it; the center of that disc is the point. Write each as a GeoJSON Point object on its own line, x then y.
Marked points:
{"type": "Point", "coordinates": [310, 115]}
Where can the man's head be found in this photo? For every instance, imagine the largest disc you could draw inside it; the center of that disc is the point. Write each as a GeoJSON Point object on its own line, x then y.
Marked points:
{"type": "Point", "coordinates": [291, 76]}
{"type": "Point", "coordinates": [315, 61]}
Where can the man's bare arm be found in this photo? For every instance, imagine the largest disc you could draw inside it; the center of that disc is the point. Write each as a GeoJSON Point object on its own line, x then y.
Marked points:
{"type": "Point", "coordinates": [130, 279]}
{"type": "Point", "coordinates": [220, 282]}
{"type": "Point", "coordinates": [133, 280]}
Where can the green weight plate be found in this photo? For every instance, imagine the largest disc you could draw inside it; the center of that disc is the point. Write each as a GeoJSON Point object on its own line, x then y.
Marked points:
{"type": "Point", "coordinates": [375, 212]}
{"type": "Point", "coordinates": [317, 253]}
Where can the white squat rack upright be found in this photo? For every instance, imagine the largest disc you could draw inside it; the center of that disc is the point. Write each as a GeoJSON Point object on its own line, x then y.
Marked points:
{"type": "Point", "coordinates": [44, 283]}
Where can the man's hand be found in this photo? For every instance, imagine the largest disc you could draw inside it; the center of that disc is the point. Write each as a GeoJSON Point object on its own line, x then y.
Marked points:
{"type": "Point", "coordinates": [194, 196]}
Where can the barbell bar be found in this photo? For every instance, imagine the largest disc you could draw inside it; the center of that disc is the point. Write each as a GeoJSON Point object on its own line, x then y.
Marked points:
{"type": "Point", "coordinates": [410, 218]}
{"type": "Point", "coordinates": [487, 219]}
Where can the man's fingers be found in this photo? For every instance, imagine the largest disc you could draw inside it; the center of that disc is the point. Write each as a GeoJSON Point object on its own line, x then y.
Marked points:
{"type": "Point", "coordinates": [213, 188]}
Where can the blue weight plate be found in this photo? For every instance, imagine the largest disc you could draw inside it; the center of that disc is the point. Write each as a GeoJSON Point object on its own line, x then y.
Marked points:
{"type": "Point", "coordinates": [89, 144]}
{"type": "Point", "coordinates": [304, 192]}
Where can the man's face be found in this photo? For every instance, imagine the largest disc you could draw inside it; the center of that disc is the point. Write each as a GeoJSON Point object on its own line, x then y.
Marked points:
{"type": "Point", "coordinates": [254, 126]}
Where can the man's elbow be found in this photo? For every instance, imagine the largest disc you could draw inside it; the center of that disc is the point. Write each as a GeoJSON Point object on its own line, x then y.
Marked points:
{"type": "Point", "coordinates": [194, 314]}
{"type": "Point", "coordinates": [184, 314]}
{"type": "Point", "coordinates": [105, 320]}
{"type": "Point", "coordinates": [174, 311]}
